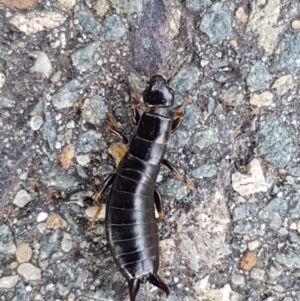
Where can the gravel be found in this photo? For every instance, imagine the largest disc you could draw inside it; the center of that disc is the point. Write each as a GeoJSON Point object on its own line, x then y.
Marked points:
{"type": "Point", "coordinates": [66, 64]}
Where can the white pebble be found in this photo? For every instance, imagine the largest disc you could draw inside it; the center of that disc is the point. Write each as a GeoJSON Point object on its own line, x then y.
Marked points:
{"type": "Point", "coordinates": [252, 245]}
{"type": "Point", "coordinates": [296, 24]}
{"type": "Point", "coordinates": [23, 253]}
{"type": "Point", "coordinates": [36, 122]}
{"type": "Point", "coordinates": [293, 226]}
{"type": "Point", "coordinates": [42, 216]}
{"type": "Point", "coordinates": [66, 243]}
{"type": "Point", "coordinates": [2, 80]}
{"type": "Point", "coordinates": [29, 271]}
{"type": "Point", "coordinates": [42, 65]}
{"type": "Point", "coordinates": [91, 211]}
{"type": "Point", "coordinates": [83, 160]}
{"type": "Point", "coordinates": [22, 198]}
{"type": "Point", "coordinates": [9, 281]}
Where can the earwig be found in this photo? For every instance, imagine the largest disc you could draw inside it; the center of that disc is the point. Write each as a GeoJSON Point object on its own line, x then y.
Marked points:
{"type": "Point", "coordinates": [131, 225]}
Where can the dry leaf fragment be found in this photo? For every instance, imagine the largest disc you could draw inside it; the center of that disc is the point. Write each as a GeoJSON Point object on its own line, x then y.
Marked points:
{"type": "Point", "coordinates": [66, 156]}
{"type": "Point", "coordinates": [117, 150]}
{"type": "Point", "coordinates": [18, 4]}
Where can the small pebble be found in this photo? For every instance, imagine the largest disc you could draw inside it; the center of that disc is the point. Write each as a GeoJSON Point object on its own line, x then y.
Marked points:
{"type": "Point", "coordinates": [2, 80]}
{"type": "Point", "coordinates": [241, 15]}
{"type": "Point", "coordinates": [36, 122]}
{"type": "Point", "coordinates": [238, 279]}
{"type": "Point", "coordinates": [9, 281]}
{"type": "Point", "coordinates": [296, 24]}
{"type": "Point", "coordinates": [91, 211]}
{"type": "Point", "coordinates": [264, 99]}
{"type": "Point", "coordinates": [42, 65]}
{"type": "Point", "coordinates": [42, 216]}
{"type": "Point", "coordinates": [23, 253]}
{"type": "Point", "coordinates": [55, 77]}
{"type": "Point", "coordinates": [29, 271]}
{"type": "Point", "coordinates": [298, 226]}
{"type": "Point", "coordinates": [252, 245]}
{"type": "Point", "coordinates": [68, 4]}
{"type": "Point", "coordinates": [66, 243]}
{"type": "Point", "coordinates": [22, 198]}
{"type": "Point", "coordinates": [54, 221]}
{"type": "Point", "coordinates": [293, 226]}
{"type": "Point", "coordinates": [83, 160]}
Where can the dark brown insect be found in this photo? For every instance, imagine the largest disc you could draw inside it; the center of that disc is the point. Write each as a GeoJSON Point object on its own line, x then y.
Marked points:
{"type": "Point", "coordinates": [131, 225]}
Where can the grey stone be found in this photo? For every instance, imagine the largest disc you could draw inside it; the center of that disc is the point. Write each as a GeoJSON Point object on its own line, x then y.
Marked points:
{"type": "Point", "coordinates": [295, 171]}
{"type": "Point", "coordinates": [289, 258]}
{"type": "Point", "coordinates": [205, 171]}
{"type": "Point", "coordinates": [90, 141]}
{"type": "Point", "coordinates": [274, 212]}
{"type": "Point", "coordinates": [244, 210]}
{"type": "Point", "coordinates": [220, 76]}
{"type": "Point", "coordinates": [81, 173]}
{"type": "Point", "coordinates": [258, 274]}
{"type": "Point", "coordinates": [232, 96]}
{"type": "Point", "coordinates": [48, 244]}
{"type": "Point", "coordinates": [113, 28]}
{"type": "Point", "coordinates": [20, 293]}
{"type": "Point", "coordinates": [179, 139]}
{"type": "Point", "coordinates": [56, 178]}
{"type": "Point", "coordinates": [277, 146]}
{"type": "Point", "coordinates": [288, 53]}
{"type": "Point", "coordinates": [250, 228]}
{"type": "Point", "coordinates": [216, 24]}
{"type": "Point", "coordinates": [174, 188]}
{"type": "Point", "coordinates": [39, 107]}
{"type": "Point", "coordinates": [88, 22]}
{"type": "Point", "coordinates": [193, 5]}
{"type": "Point", "coordinates": [211, 105]}
{"type": "Point", "coordinates": [105, 169]}
{"type": "Point", "coordinates": [295, 207]}
{"type": "Point", "coordinates": [49, 130]}
{"type": "Point", "coordinates": [191, 117]}
{"type": "Point", "coordinates": [65, 212]}
{"type": "Point", "coordinates": [238, 279]}
{"type": "Point", "coordinates": [6, 103]}
{"type": "Point", "coordinates": [128, 6]}
{"type": "Point", "coordinates": [259, 77]}
{"type": "Point", "coordinates": [205, 138]}
{"type": "Point", "coordinates": [185, 79]}
{"type": "Point", "coordinates": [7, 246]}
{"type": "Point", "coordinates": [83, 59]}
{"type": "Point", "coordinates": [79, 196]}
{"type": "Point", "coordinates": [66, 96]}
{"type": "Point", "coordinates": [94, 110]}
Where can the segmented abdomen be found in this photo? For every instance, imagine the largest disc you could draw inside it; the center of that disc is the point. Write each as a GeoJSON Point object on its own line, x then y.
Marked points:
{"type": "Point", "coordinates": [130, 216]}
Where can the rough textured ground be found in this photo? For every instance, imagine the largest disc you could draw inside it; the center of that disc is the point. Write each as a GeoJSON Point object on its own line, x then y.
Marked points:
{"type": "Point", "coordinates": [65, 63]}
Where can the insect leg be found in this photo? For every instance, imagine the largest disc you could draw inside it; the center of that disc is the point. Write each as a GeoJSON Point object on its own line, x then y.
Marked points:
{"type": "Point", "coordinates": [134, 286]}
{"type": "Point", "coordinates": [113, 128]}
{"type": "Point", "coordinates": [158, 205]}
{"type": "Point", "coordinates": [135, 103]}
{"type": "Point", "coordinates": [107, 182]}
{"type": "Point", "coordinates": [178, 175]}
{"type": "Point", "coordinates": [179, 116]}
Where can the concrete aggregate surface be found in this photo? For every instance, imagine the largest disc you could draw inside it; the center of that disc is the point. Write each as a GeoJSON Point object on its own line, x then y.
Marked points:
{"type": "Point", "coordinates": [65, 64]}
